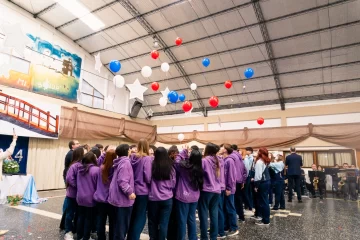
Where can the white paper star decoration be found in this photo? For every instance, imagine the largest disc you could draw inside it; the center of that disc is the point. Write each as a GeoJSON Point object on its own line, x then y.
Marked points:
{"type": "Point", "coordinates": [98, 63]}
{"type": "Point", "coordinates": [136, 90]}
{"type": "Point", "coordinates": [165, 93]}
{"type": "Point", "coordinates": [15, 38]}
{"type": "Point", "coordinates": [150, 112]}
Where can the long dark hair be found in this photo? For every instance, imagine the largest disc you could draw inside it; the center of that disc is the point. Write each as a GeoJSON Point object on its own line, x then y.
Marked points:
{"type": "Point", "coordinates": [108, 163]}
{"type": "Point", "coordinates": [211, 150]}
{"type": "Point", "coordinates": [77, 155]}
{"type": "Point", "coordinates": [196, 172]}
{"type": "Point", "coordinates": [264, 155]}
{"type": "Point", "coordinates": [162, 165]}
{"type": "Point", "coordinates": [89, 158]}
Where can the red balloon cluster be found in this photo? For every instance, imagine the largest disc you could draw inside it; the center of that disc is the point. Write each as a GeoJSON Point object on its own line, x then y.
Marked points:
{"type": "Point", "coordinates": [214, 101]}
{"type": "Point", "coordinates": [260, 121]}
{"type": "Point", "coordinates": [178, 41]}
{"type": "Point", "coordinates": [155, 86]}
{"type": "Point", "coordinates": [155, 54]}
{"type": "Point", "coordinates": [228, 84]}
{"type": "Point", "coordinates": [187, 106]}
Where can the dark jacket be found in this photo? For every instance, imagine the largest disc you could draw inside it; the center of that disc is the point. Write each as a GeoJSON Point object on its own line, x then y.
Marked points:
{"type": "Point", "coordinates": [294, 163]}
{"type": "Point", "coordinates": [68, 159]}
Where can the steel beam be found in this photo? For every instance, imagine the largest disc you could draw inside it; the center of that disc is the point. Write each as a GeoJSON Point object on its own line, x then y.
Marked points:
{"type": "Point", "coordinates": [45, 10]}
{"type": "Point", "coordinates": [270, 102]}
{"type": "Point", "coordinates": [269, 50]}
{"type": "Point", "coordinates": [247, 46]}
{"type": "Point", "coordinates": [135, 13]}
{"type": "Point", "coordinates": [275, 89]}
{"type": "Point", "coordinates": [221, 33]}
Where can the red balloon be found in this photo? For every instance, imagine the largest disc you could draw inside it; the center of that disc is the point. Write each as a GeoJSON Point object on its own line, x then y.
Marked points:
{"type": "Point", "coordinates": [155, 54]}
{"type": "Point", "coordinates": [260, 121]}
{"type": "Point", "coordinates": [178, 41]}
{"type": "Point", "coordinates": [187, 106]}
{"type": "Point", "coordinates": [214, 101]}
{"type": "Point", "coordinates": [155, 86]}
{"type": "Point", "coordinates": [228, 84]}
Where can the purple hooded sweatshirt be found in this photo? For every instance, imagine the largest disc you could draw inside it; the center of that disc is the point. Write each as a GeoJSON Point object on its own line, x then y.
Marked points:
{"type": "Point", "coordinates": [184, 190]}
{"type": "Point", "coordinates": [71, 180]}
{"type": "Point", "coordinates": [122, 185]}
{"type": "Point", "coordinates": [212, 183]}
{"type": "Point", "coordinates": [161, 190]}
{"type": "Point", "coordinates": [230, 173]}
{"type": "Point", "coordinates": [101, 159]}
{"type": "Point", "coordinates": [222, 173]}
{"type": "Point", "coordinates": [241, 172]}
{"type": "Point", "coordinates": [86, 184]}
{"type": "Point", "coordinates": [142, 173]}
{"type": "Point", "coordinates": [102, 189]}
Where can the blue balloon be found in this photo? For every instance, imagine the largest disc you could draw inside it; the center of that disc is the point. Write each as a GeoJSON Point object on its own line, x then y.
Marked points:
{"type": "Point", "coordinates": [249, 72]}
{"type": "Point", "coordinates": [182, 97]}
{"type": "Point", "coordinates": [206, 62]}
{"type": "Point", "coordinates": [173, 97]}
{"type": "Point", "coordinates": [115, 66]}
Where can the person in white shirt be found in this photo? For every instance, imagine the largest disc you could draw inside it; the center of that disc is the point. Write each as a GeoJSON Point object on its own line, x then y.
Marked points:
{"type": "Point", "coordinates": [247, 190]}
{"type": "Point", "coordinates": [278, 167]}
{"type": "Point", "coordinates": [3, 156]}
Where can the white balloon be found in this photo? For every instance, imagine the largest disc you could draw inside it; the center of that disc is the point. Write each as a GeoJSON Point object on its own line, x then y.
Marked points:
{"type": "Point", "coordinates": [193, 86]}
{"type": "Point", "coordinates": [146, 71]}
{"type": "Point", "coordinates": [181, 137]}
{"type": "Point", "coordinates": [163, 101]}
{"type": "Point", "coordinates": [119, 81]}
{"type": "Point", "coordinates": [165, 67]}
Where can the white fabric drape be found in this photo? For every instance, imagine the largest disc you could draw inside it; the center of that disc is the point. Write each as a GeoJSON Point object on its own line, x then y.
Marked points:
{"type": "Point", "coordinates": [341, 158]}
{"type": "Point", "coordinates": [46, 160]}
{"type": "Point", "coordinates": [326, 159]}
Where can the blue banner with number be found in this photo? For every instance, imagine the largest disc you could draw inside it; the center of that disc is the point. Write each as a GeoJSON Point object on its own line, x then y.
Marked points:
{"type": "Point", "coordinates": [16, 163]}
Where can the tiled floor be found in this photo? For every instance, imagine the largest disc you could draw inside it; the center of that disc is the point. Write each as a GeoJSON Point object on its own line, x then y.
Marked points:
{"type": "Point", "coordinates": [312, 219]}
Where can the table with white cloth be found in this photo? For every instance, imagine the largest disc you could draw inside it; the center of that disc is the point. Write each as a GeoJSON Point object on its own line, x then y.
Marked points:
{"type": "Point", "coordinates": [13, 185]}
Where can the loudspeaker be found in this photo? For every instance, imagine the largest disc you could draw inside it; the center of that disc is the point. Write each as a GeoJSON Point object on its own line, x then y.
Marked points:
{"type": "Point", "coordinates": [135, 109]}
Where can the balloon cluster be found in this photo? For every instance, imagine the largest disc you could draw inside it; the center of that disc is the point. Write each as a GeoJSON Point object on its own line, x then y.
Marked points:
{"type": "Point", "coordinates": [115, 66]}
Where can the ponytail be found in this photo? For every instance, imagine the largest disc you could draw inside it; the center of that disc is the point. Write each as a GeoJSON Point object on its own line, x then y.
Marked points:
{"type": "Point", "coordinates": [217, 170]}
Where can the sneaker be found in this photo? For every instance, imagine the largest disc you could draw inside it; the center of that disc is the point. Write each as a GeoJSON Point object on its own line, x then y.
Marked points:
{"type": "Point", "coordinates": [290, 200]}
{"type": "Point", "coordinates": [300, 201]}
{"type": "Point", "coordinates": [232, 233]}
{"type": "Point", "coordinates": [3, 232]}
{"type": "Point", "coordinates": [262, 224]}
{"type": "Point", "coordinates": [221, 237]}
{"type": "Point", "coordinates": [69, 236]}
{"type": "Point", "coordinates": [93, 236]}
{"type": "Point", "coordinates": [257, 218]}
{"type": "Point", "coordinates": [241, 220]}
{"type": "Point", "coordinates": [275, 209]}
{"type": "Point", "coordinates": [226, 231]}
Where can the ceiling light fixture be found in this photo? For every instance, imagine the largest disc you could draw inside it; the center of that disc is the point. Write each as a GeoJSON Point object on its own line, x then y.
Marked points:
{"type": "Point", "coordinates": [83, 13]}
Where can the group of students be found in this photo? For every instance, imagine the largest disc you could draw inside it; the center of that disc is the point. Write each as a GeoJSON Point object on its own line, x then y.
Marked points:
{"type": "Point", "coordinates": [125, 184]}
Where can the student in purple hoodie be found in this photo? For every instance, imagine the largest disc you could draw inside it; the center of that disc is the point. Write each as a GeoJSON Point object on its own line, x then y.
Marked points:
{"type": "Point", "coordinates": [190, 179]}
{"type": "Point", "coordinates": [141, 164]}
{"type": "Point", "coordinates": [230, 185]}
{"type": "Point", "coordinates": [104, 209]}
{"type": "Point", "coordinates": [161, 192]}
{"type": "Point", "coordinates": [210, 194]}
{"type": "Point", "coordinates": [221, 215]}
{"type": "Point", "coordinates": [86, 181]}
{"type": "Point", "coordinates": [121, 194]}
{"type": "Point", "coordinates": [71, 190]}
{"type": "Point", "coordinates": [240, 181]}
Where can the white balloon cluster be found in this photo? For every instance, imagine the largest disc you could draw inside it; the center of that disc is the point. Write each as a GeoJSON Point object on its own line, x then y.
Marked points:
{"type": "Point", "coordinates": [163, 101]}
{"type": "Point", "coordinates": [181, 137]}
{"type": "Point", "coordinates": [193, 86]}
{"type": "Point", "coordinates": [119, 81]}
{"type": "Point", "coordinates": [146, 71]}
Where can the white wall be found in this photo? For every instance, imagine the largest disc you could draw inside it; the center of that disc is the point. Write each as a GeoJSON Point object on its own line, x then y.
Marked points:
{"type": "Point", "coordinates": [10, 14]}
{"type": "Point", "coordinates": [185, 128]}
{"type": "Point", "coordinates": [241, 125]}
{"type": "Point", "coordinates": [324, 119]}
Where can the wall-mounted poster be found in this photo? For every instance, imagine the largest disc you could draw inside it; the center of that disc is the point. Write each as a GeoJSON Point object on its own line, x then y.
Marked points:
{"type": "Point", "coordinates": [16, 163]}
{"type": "Point", "coordinates": [53, 71]}
{"type": "Point", "coordinates": [29, 118]}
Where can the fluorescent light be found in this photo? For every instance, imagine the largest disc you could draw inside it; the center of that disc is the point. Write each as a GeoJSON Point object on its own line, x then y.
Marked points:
{"type": "Point", "coordinates": [83, 13]}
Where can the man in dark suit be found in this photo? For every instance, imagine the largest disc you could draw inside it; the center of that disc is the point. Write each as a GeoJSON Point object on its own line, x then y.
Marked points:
{"type": "Point", "coordinates": [294, 164]}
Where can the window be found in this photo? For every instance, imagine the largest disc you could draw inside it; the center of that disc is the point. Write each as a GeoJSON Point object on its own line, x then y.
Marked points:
{"type": "Point", "coordinates": [331, 158]}
{"type": "Point", "coordinates": [308, 158]}
{"type": "Point", "coordinates": [90, 96]}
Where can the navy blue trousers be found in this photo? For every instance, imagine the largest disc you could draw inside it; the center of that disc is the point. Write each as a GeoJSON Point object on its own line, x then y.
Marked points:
{"type": "Point", "coordinates": [138, 217]}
